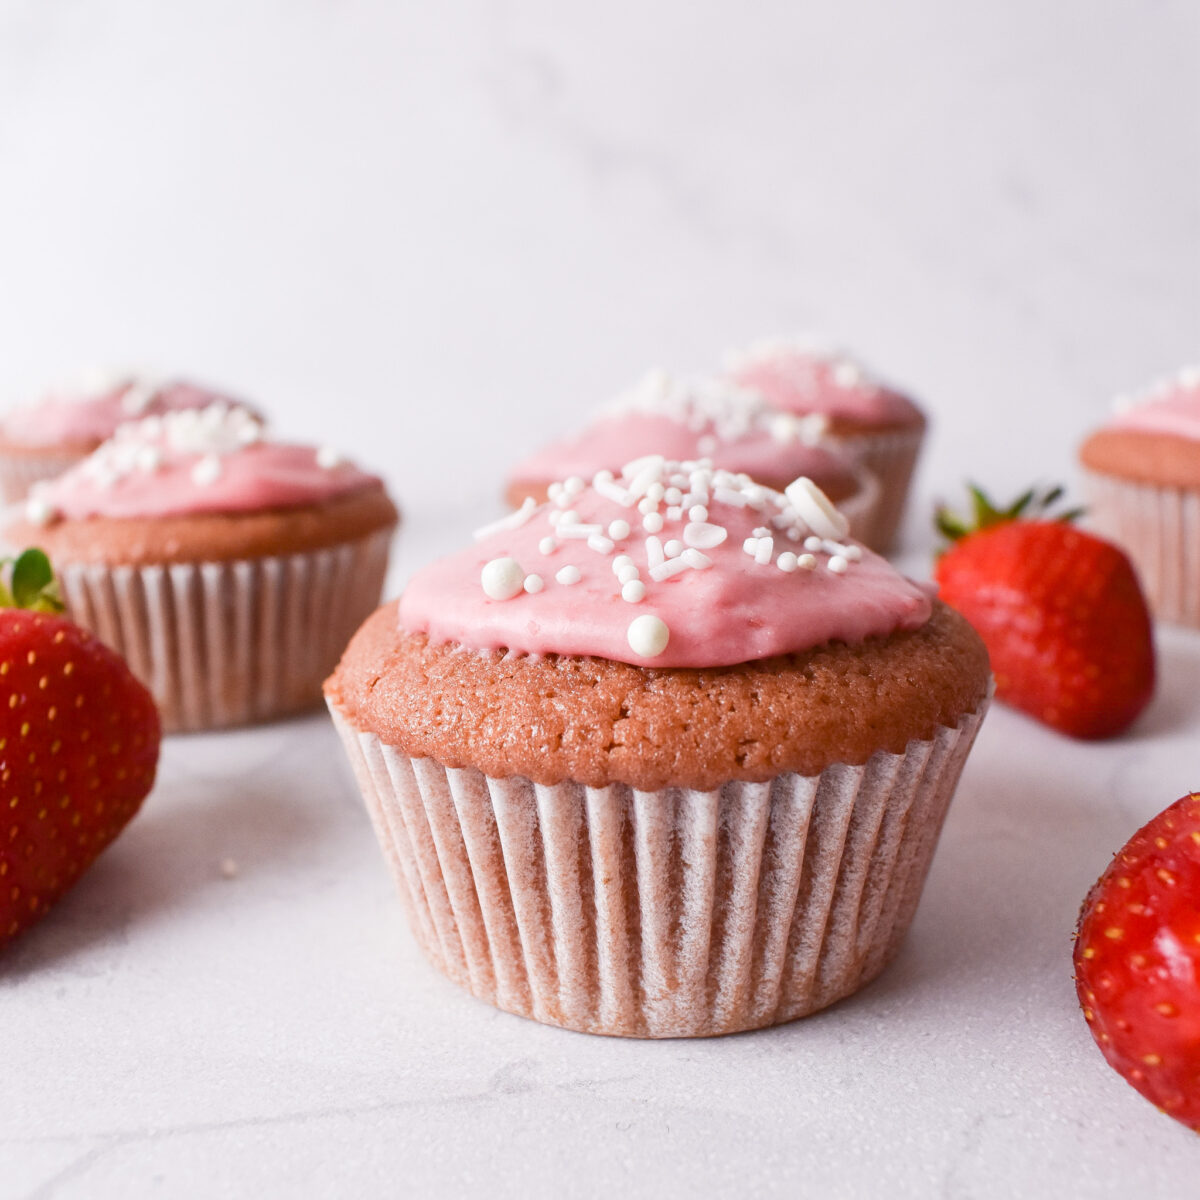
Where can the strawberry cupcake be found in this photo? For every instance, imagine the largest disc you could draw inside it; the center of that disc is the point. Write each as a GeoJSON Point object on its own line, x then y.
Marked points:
{"type": "Point", "coordinates": [876, 425]}
{"type": "Point", "coordinates": [229, 570]}
{"type": "Point", "coordinates": [661, 775]}
{"type": "Point", "coordinates": [691, 419]}
{"type": "Point", "coordinates": [41, 440]}
{"type": "Point", "coordinates": [1142, 478]}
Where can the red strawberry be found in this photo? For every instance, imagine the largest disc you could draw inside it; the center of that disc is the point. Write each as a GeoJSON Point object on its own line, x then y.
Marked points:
{"type": "Point", "coordinates": [1137, 961]}
{"type": "Point", "coordinates": [79, 739]}
{"type": "Point", "coordinates": [1060, 611]}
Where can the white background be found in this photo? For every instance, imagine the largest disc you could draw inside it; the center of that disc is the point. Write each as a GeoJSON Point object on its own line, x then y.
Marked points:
{"type": "Point", "coordinates": [432, 234]}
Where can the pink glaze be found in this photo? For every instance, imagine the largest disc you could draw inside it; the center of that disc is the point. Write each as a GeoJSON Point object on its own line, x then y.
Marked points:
{"type": "Point", "coordinates": [1171, 407]}
{"type": "Point", "coordinates": [799, 380]}
{"type": "Point", "coordinates": [613, 440]}
{"type": "Point", "coordinates": [92, 413]}
{"type": "Point", "coordinates": [198, 461]}
{"type": "Point", "coordinates": [735, 610]}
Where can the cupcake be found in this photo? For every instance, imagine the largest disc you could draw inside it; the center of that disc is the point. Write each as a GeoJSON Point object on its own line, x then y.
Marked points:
{"type": "Point", "coordinates": [229, 570]}
{"type": "Point", "coordinates": [41, 440]}
{"type": "Point", "coordinates": [875, 424]}
{"type": "Point", "coordinates": [690, 419]}
{"type": "Point", "coordinates": [1142, 479]}
{"type": "Point", "coordinates": [661, 775]}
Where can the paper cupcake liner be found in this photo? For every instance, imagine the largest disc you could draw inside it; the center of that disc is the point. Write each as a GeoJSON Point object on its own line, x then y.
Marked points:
{"type": "Point", "coordinates": [231, 643]}
{"type": "Point", "coordinates": [677, 913]}
{"type": "Point", "coordinates": [892, 459]}
{"type": "Point", "coordinates": [1159, 528]}
{"type": "Point", "coordinates": [19, 472]}
{"type": "Point", "coordinates": [862, 509]}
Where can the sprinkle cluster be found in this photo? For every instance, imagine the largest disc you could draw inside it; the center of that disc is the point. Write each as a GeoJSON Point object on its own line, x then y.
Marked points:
{"type": "Point", "coordinates": [1186, 379]}
{"type": "Point", "coordinates": [802, 351]}
{"type": "Point", "coordinates": [717, 409]}
{"type": "Point", "coordinates": [672, 519]}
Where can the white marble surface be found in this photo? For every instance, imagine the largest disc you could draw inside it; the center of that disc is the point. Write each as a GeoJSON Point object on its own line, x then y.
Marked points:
{"type": "Point", "coordinates": [432, 234]}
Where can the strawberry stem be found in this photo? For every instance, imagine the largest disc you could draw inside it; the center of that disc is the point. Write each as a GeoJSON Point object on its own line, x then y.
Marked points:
{"type": "Point", "coordinates": [985, 514]}
{"type": "Point", "coordinates": [31, 583]}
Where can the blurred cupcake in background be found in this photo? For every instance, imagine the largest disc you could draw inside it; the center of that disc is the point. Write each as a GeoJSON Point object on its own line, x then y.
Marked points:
{"type": "Point", "coordinates": [42, 439]}
{"type": "Point", "coordinates": [1142, 483]}
{"type": "Point", "coordinates": [710, 419]}
{"type": "Point", "coordinates": [229, 570]}
{"type": "Point", "coordinates": [875, 424]}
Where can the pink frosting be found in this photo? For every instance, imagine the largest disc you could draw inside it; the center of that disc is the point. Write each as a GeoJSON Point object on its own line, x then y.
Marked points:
{"type": "Point", "coordinates": [737, 608]}
{"type": "Point", "coordinates": [614, 440]}
{"type": "Point", "coordinates": [1171, 407]}
{"type": "Point", "coordinates": [92, 411]}
{"type": "Point", "coordinates": [195, 461]}
{"type": "Point", "coordinates": [800, 380]}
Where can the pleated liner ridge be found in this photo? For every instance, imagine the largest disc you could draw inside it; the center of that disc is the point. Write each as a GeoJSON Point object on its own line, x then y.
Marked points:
{"type": "Point", "coordinates": [891, 458]}
{"type": "Point", "coordinates": [661, 914]}
{"type": "Point", "coordinates": [231, 643]}
{"type": "Point", "coordinates": [1159, 528]}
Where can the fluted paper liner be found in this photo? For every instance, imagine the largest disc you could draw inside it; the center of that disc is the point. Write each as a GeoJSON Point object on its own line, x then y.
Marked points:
{"type": "Point", "coordinates": [231, 643]}
{"type": "Point", "coordinates": [892, 459]}
{"type": "Point", "coordinates": [677, 913]}
{"type": "Point", "coordinates": [862, 508]}
{"type": "Point", "coordinates": [19, 472]}
{"type": "Point", "coordinates": [1159, 528]}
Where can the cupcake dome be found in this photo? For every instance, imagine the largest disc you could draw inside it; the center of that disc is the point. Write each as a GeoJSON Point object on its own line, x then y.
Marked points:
{"type": "Point", "coordinates": [876, 424]}
{"type": "Point", "coordinates": [667, 756]}
{"type": "Point", "coordinates": [688, 419]}
{"type": "Point", "coordinates": [228, 569]}
{"type": "Point", "coordinates": [41, 440]}
{"type": "Point", "coordinates": [1142, 478]}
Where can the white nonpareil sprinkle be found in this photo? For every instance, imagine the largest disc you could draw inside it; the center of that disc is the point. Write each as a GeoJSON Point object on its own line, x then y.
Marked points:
{"type": "Point", "coordinates": [568, 575]}
{"type": "Point", "coordinates": [674, 548]}
{"type": "Point", "coordinates": [620, 563]}
{"type": "Point", "coordinates": [547, 545]}
{"type": "Point", "coordinates": [618, 530]}
{"type": "Point", "coordinates": [634, 591]}
{"type": "Point", "coordinates": [807, 562]}
{"type": "Point", "coordinates": [786, 561]}
{"type": "Point", "coordinates": [502, 579]}
{"type": "Point", "coordinates": [149, 459]}
{"type": "Point", "coordinates": [838, 565]}
{"type": "Point", "coordinates": [652, 522]}
{"type": "Point", "coordinates": [39, 511]}
{"type": "Point", "coordinates": [534, 584]}
{"type": "Point", "coordinates": [328, 458]}
{"type": "Point", "coordinates": [514, 520]}
{"type": "Point", "coordinates": [648, 635]}
{"type": "Point", "coordinates": [207, 471]}
{"type": "Point", "coordinates": [815, 509]}
{"type": "Point", "coordinates": [698, 514]}
{"type": "Point", "coordinates": [628, 574]}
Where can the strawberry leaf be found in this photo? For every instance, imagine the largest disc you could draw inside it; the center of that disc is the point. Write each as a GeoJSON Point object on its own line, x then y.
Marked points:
{"type": "Point", "coordinates": [33, 583]}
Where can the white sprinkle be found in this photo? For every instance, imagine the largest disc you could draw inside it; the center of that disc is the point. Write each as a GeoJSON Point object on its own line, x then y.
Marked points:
{"type": "Point", "coordinates": [672, 495]}
{"type": "Point", "coordinates": [764, 550]}
{"type": "Point", "coordinates": [652, 522]}
{"type": "Point", "coordinates": [620, 563]}
{"type": "Point", "coordinates": [634, 591]}
{"type": "Point", "coordinates": [627, 574]}
{"type": "Point", "coordinates": [569, 517]}
{"type": "Point", "coordinates": [643, 472]}
{"type": "Point", "coordinates": [547, 545]}
{"type": "Point", "coordinates": [750, 546]}
{"type": "Point", "coordinates": [707, 444]}
{"type": "Point", "coordinates": [646, 506]}
{"type": "Point", "coordinates": [573, 486]}
{"type": "Point", "coordinates": [696, 560]}
{"type": "Point", "coordinates": [618, 530]}
{"type": "Point", "coordinates": [554, 517]}
{"type": "Point", "coordinates": [554, 491]}
{"type": "Point", "coordinates": [666, 570]}
{"type": "Point", "coordinates": [149, 459]}
{"type": "Point", "coordinates": [786, 562]}
{"type": "Point", "coordinates": [728, 496]}
{"type": "Point", "coordinates": [703, 535]}
{"type": "Point", "coordinates": [654, 552]}
{"type": "Point", "coordinates": [815, 509]}
{"type": "Point", "coordinates": [534, 584]}
{"type": "Point", "coordinates": [568, 575]}
{"type": "Point", "coordinates": [675, 513]}
{"type": "Point", "coordinates": [847, 374]}
{"type": "Point", "coordinates": [600, 543]}
{"type": "Point", "coordinates": [207, 471]}
{"type": "Point", "coordinates": [602, 477]}
{"type": "Point", "coordinates": [514, 520]}
{"type": "Point", "coordinates": [698, 513]}
{"type": "Point", "coordinates": [328, 458]}
{"type": "Point", "coordinates": [807, 562]}
{"type": "Point", "coordinates": [502, 578]}
{"type": "Point", "coordinates": [656, 492]}
{"type": "Point", "coordinates": [571, 529]}
{"type": "Point", "coordinates": [674, 548]}
{"type": "Point", "coordinates": [762, 531]}
{"type": "Point", "coordinates": [648, 635]}
{"type": "Point", "coordinates": [39, 511]}
{"type": "Point", "coordinates": [813, 544]}
{"type": "Point", "coordinates": [613, 491]}
{"type": "Point", "coordinates": [838, 565]}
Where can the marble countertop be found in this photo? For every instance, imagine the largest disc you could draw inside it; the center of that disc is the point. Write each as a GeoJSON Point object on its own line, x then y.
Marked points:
{"type": "Point", "coordinates": [432, 235]}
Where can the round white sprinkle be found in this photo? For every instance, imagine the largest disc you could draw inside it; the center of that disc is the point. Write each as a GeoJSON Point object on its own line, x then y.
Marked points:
{"type": "Point", "coordinates": [207, 471]}
{"type": "Point", "coordinates": [149, 459]}
{"type": "Point", "coordinates": [627, 574]}
{"type": "Point", "coordinates": [569, 517]}
{"type": "Point", "coordinates": [618, 530]}
{"type": "Point", "coordinates": [38, 511]}
{"type": "Point", "coordinates": [674, 548]}
{"type": "Point", "coordinates": [502, 579]}
{"type": "Point", "coordinates": [634, 590]}
{"type": "Point", "coordinates": [813, 544]}
{"type": "Point", "coordinates": [698, 513]}
{"type": "Point", "coordinates": [547, 545]}
{"type": "Point", "coordinates": [815, 509]}
{"type": "Point", "coordinates": [786, 561]}
{"type": "Point", "coordinates": [602, 477]}
{"type": "Point", "coordinates": [648, 635]}
{"type": "Point", "coordinates": [568, 575]}
{"type": "Point", "coordinates": [620, 562]}
{"type": "Point", "coordinates": [655, 492]}
{"type": "Point", "coordinates": [807, 562]}
{"type": "Point", "coordinates": [838, 565]}
{"type": "Point", "coordinates": [652, 522]}
{"type": "Point", "coordinates": [646, 506]}
{"type": "Point", "coordinates": [574, 485]}
{"type": "Point", "coordinates": [328, 458]}
{"type": "Point", "coordinates": [672, 495]}
{"type": "Point", "coordinates": [534, 584]}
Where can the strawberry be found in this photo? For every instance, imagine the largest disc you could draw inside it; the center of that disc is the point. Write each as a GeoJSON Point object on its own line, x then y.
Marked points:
{"type": "Point", "coordinates": [79, 740]}
{"type": "Point", "coordinates": [1060, 610]}
{"type": "Point", "coordinates": [1137, 961]}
